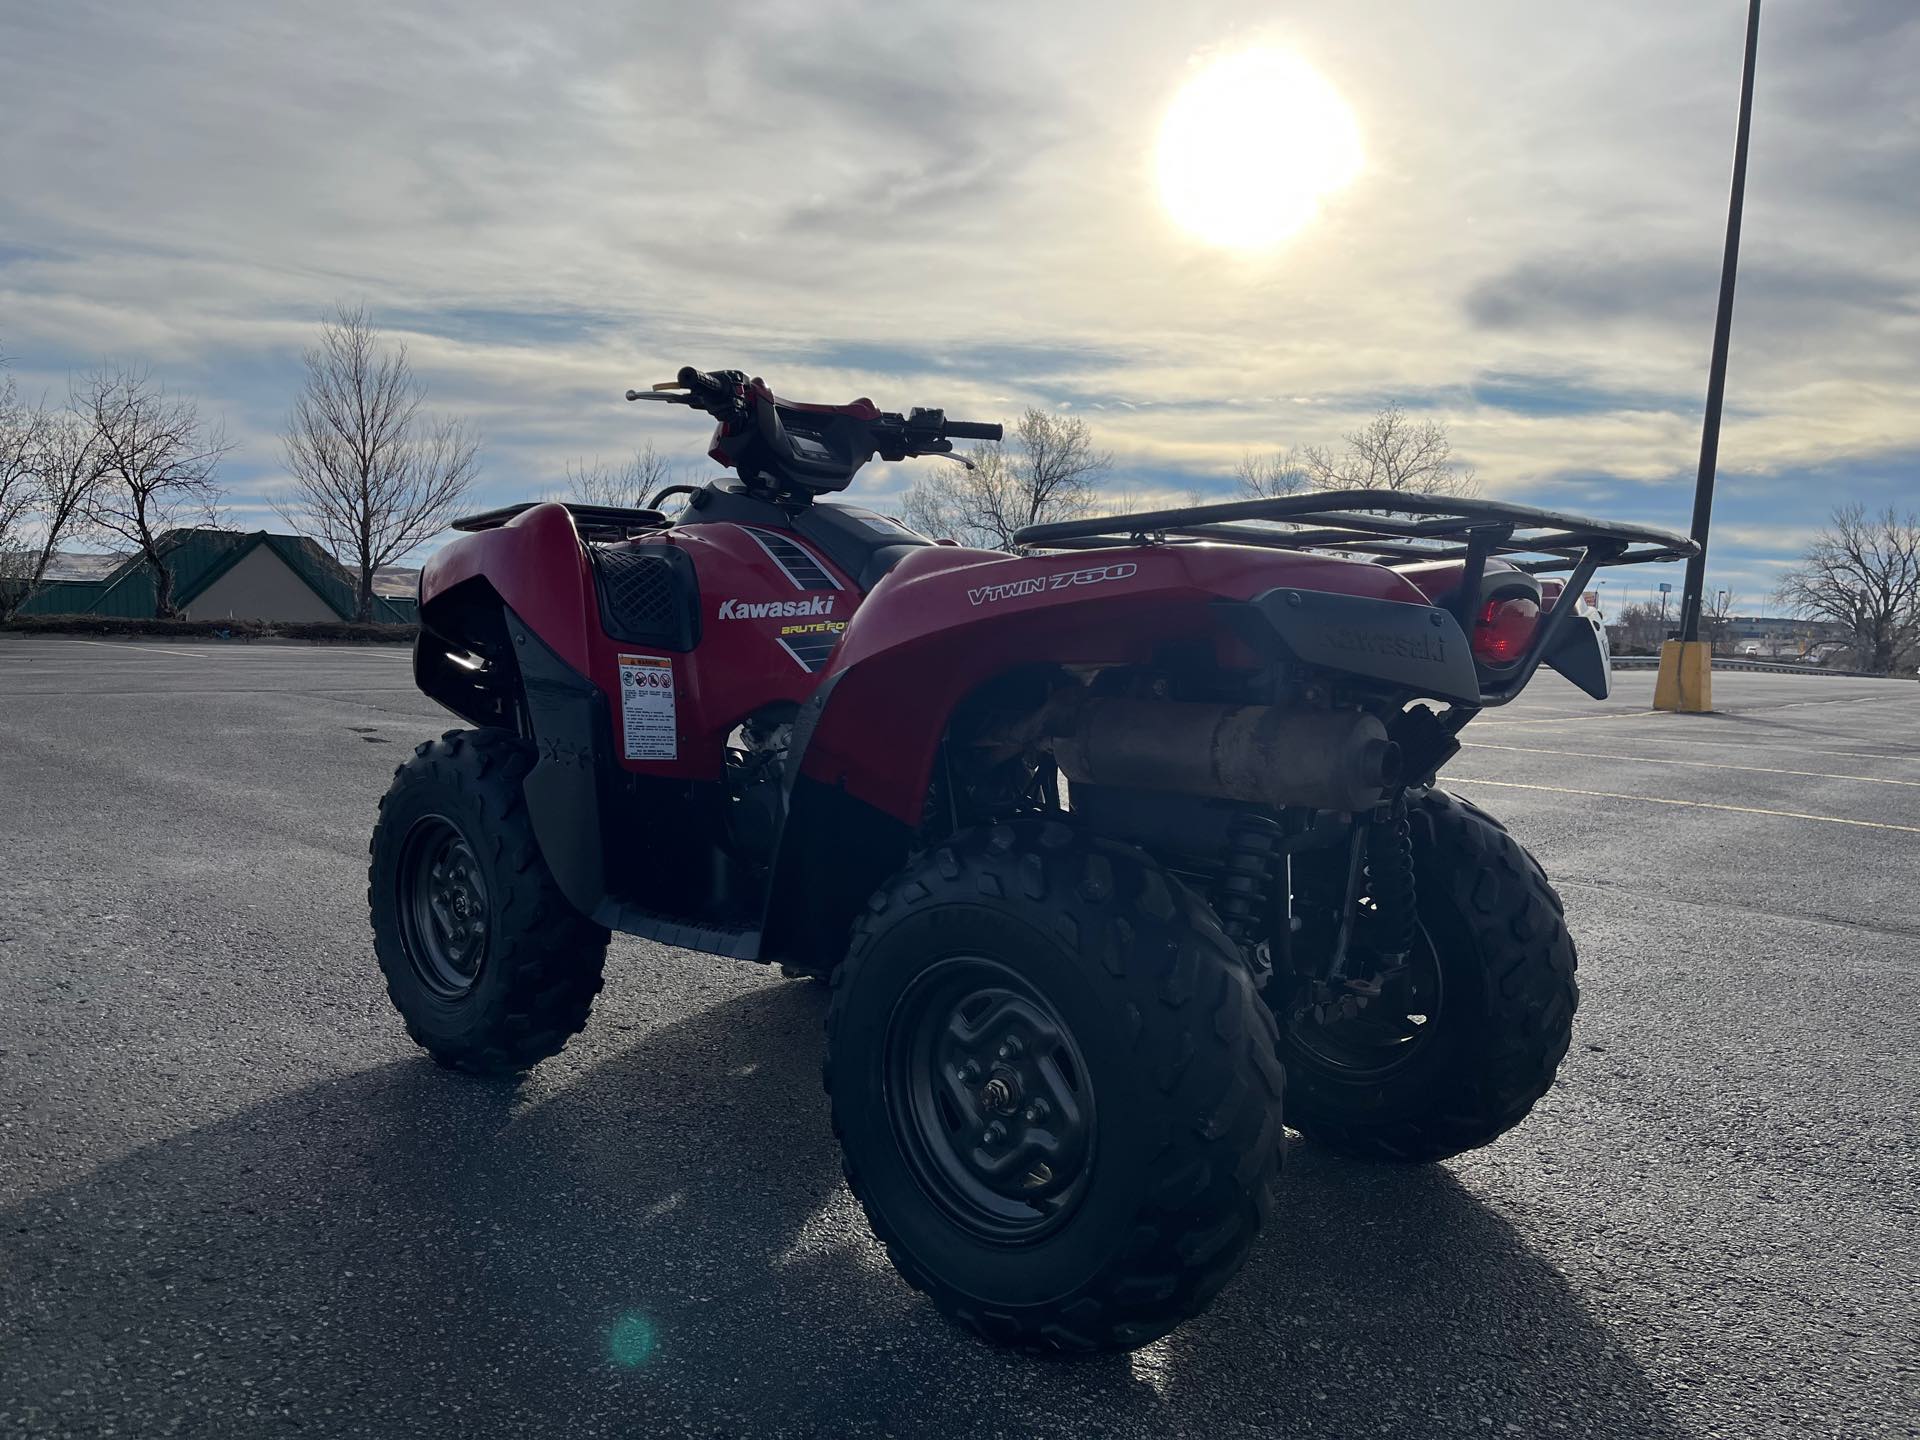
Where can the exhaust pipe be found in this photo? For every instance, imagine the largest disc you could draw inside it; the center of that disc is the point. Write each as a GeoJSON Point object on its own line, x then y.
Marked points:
{"type": "Point", "coordinates": [1324, 759]}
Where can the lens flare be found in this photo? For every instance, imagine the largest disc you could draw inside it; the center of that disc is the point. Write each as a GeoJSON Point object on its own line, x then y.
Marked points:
{"type": "Point", "coordinates": [1250, 148]}
{"type": "Point", "coordinates": [631, 1342]}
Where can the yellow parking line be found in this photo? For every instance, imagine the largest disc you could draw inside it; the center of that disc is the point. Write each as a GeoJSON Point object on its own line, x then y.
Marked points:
{"type": "Point", "coordinates": [1689, 804]}
{"type": "Point", "coordinates": [1690, 764]}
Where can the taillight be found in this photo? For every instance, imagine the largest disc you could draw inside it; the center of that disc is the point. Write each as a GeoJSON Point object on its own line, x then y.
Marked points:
{"type": "Point", "coordinates": [1504, 629]}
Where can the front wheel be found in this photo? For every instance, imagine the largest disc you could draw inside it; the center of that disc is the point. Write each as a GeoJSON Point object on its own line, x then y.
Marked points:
{"type": "Point", "coordinates": [1055, 1087]}
{"type": "Point", "coordinates": [489, 966]}
{"type": "Point", "coordinates": [1465, 1036]}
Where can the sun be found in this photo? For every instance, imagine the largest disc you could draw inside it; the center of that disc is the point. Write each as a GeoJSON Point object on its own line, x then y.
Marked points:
{"type": "Point", "coordinates": [1251, 146]}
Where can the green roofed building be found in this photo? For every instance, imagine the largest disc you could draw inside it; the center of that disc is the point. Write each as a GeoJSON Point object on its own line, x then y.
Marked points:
{"type": "Point", "coordinates": [224, 575]}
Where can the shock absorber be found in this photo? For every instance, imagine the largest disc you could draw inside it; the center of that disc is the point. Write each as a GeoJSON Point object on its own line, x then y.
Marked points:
{"type": "Point", "coordinates": [1390, 880]}
{"type": "Point", "coordinates": [1255, 856]}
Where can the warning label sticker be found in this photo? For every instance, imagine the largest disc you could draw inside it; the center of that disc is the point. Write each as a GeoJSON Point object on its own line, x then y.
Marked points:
{"type": "Point", "coordinates": [646, 707]}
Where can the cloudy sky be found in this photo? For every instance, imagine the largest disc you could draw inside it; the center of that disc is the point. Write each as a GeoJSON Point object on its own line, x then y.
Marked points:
{"type": "Point", "coordinates": [957, 205]}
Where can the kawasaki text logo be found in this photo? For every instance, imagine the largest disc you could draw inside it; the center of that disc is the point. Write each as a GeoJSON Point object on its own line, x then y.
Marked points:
{"type": "Point", "coordinates": [1403, 647]}
{"type": "Point", "coordinates": [775, 609]}
{"type": "Point", "coordinates": [1034, 584]}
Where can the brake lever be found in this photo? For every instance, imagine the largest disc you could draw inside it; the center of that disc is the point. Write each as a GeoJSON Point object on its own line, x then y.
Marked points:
{"type": "Point", "coordinates": [896, 439]}
{"type": "Point", "coordinates": [676, 392]}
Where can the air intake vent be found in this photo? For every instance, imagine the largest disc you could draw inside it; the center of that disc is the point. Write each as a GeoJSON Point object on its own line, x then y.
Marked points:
{"type": "Point", "coordinates": [647, 594]}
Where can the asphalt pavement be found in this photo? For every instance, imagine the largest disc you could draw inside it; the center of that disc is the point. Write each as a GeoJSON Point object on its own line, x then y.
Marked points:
{"type": "Point", "coordinates": [235, 1201]}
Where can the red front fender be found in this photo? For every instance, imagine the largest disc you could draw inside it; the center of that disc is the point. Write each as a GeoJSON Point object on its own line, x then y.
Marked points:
{"type": "Point", "coordinates": [537, 565]}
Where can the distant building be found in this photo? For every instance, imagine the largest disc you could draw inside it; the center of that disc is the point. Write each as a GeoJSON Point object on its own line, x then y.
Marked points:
{"type": "Point", "coordinates": [1778, 637]}
{"type": "Point", "coordinates": [1757, 637]}
{"type": "Point", "coordinates": [224, 575]}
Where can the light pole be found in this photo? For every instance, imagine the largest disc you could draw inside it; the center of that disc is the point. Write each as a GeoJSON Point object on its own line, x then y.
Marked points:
{"type": "Point", "coordinates": [1685, 681]}
{"type": "Point", "coordinates": [1722, 330]}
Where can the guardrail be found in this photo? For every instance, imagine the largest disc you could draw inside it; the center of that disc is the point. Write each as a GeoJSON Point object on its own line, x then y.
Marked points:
{"type": "Point", "coordinates": [1732, 662]}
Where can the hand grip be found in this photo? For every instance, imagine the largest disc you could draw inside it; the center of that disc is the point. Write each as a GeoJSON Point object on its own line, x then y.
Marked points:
{"type": "Point", "coordinates": [971, 430]}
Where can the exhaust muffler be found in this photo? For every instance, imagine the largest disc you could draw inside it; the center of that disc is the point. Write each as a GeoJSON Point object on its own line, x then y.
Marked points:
{"type": "Point", "coordinates": [1262, 754]}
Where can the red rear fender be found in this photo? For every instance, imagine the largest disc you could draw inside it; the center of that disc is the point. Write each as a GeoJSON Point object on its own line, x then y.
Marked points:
{"type": "Point", "coordinates": [944, 621]}
{"type": "Point", "coordinates": [1438, 579]}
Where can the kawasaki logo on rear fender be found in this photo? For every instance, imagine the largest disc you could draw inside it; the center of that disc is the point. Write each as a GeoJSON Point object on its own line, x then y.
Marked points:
{"type": "Point", "coordinates": [1403, 647]}
{"type": "Point", "coordinates": [775, 609]}
{"type": "Point", "coordinates": [1034, 584]}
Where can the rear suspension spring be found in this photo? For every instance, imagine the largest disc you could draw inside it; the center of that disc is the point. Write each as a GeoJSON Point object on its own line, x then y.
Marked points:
{"type": "Point", "coordinates": [1390, 878]}
{"type": "Point", "coordinates": [1245, 897]}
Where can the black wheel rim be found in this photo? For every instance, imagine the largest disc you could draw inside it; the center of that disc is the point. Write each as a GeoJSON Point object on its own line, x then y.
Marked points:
{"type": "Point", "coordinates": [1384, 1035]}
{"type": "Point", "coordinates": [989, 1099]}
{"type": "Point", "coordinates": [443, 907]}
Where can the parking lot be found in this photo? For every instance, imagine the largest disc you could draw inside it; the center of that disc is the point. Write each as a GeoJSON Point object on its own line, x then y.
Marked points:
{"type": "Point", "coordinates": [234, 1200]}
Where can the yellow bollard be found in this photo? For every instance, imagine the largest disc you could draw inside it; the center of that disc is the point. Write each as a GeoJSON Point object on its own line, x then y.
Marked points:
{"type": "Point", "coordinates": [1685, 682]}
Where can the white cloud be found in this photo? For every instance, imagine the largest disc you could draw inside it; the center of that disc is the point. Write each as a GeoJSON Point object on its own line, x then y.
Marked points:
{"type": "Point", "coordinates": [553, 202]}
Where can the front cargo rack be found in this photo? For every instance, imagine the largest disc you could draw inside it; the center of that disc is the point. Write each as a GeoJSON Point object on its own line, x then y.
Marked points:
{"type": "Point", "coordinates": [1395, 528]}
{"type": "Point", "coordinates": [595, 522]}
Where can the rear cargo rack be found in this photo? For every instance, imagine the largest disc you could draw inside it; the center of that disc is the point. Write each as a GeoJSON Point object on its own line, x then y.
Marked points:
{"type": "Point", "coordinates": [594, 522]}
{"type": "Point", "coordinates": [1395, 528]}
{"type": "Point", "coordinates": [1366, 522]}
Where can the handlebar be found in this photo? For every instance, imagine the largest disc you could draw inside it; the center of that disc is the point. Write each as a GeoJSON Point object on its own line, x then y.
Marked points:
{"type": "Point", "coordinates": [925, 432]}
{"type": "Point", "coordinates": [972, 430]}
{"type": "Point", "coordinates": [812, 436]}
{"type": "Point", "coordinates": [694, 379]}
{"type": "Point", "coordinates": [715, 394]}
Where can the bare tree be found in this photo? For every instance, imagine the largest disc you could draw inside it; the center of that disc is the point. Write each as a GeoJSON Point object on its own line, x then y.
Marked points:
{"type": "Point", "coordinates": [1392, 451]}
{"type": "Point", "coordinates": [1047, 470]}
{"type": "Point", "coordinates": [20, 427]}
{"type": "Point", "coordinates": [153, 461]}
{"type": "Point", "coordinates": [1273, 476]}
{"type": "Point", "coordinates": [373, 476]}
{"type": "Point", "coordinates": [64, 470]}
{"type": "Point", "coordinates": [1128, 500]}
{"type": "Point", "coordinates": [935, 503]}
{"type": "Point", "coordinates": [629, 485]}
{"type": "Point", "coordinates": [1863, 573]}
{"type": "Point", "coordinates": [1715, 611]}
{"type": "Point", "coordinates": [1638, 629]}
{"type": "Point", "coordinates": [940, 501]}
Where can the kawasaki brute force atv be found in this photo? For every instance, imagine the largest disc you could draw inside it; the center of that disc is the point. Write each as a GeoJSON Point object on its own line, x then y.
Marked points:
{"type": "Point", "coordinates": [1097, 843]}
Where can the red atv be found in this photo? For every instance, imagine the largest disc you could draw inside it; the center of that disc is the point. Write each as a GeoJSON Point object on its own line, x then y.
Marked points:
{"type": "Point", "coordinates": [1092, 840]}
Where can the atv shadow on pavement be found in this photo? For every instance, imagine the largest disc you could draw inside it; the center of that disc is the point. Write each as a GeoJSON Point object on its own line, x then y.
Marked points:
{"type": "Point", "coordinates": [659, 1242]}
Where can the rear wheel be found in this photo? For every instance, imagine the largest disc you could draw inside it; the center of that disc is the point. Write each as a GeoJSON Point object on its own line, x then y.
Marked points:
{"type": "Point", "coordinates": [1055, 1087]}
{"type": "Point", "coordinates": [1465, 1037]}
{"type": "Point", "coordinates": [489, 966]}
